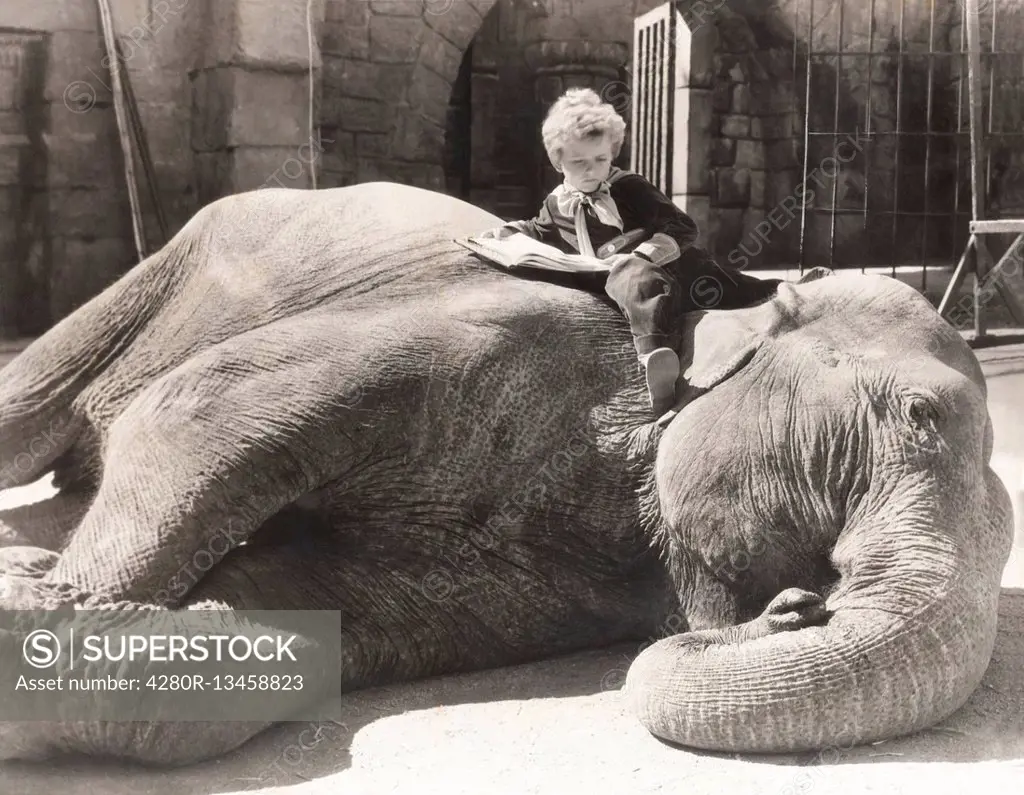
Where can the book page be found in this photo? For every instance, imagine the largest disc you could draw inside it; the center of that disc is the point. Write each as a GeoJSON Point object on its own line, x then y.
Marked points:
{"type": "Point", "coordinates": [519, 245]}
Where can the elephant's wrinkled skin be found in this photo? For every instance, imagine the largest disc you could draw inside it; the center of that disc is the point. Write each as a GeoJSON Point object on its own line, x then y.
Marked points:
{"type": "Point", "coordinates": [328, 366]}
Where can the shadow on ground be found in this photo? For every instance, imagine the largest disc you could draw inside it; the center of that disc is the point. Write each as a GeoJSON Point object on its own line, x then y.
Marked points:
{"type": "Point", "coordinates": [441, 734]}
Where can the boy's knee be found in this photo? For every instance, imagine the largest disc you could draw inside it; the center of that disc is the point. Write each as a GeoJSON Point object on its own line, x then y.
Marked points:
{"type": "Point", "coordinates": [636, 277]}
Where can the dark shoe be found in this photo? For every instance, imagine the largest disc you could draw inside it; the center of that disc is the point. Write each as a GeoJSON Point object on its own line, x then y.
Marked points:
{"type": "Point", "coordinates": [661, 369]}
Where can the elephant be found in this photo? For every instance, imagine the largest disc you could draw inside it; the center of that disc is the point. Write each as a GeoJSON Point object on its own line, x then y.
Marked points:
{"type": "Point", "coordinates": [811, 548]}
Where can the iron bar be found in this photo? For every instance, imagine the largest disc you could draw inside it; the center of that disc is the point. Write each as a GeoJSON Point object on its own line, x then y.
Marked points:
{"type": "Point", "coordinates": [959, 131]}
{"type": "Point", "coordinates": [896, 156]}
{"type": "Point", "coordinates": [669, 66]}
{"type": "Point", "coordinates": [807, 127]}
{"type": "Point", "coordinates": [835, 138]}
{"type": "Point", "coordinates": [867, 117]}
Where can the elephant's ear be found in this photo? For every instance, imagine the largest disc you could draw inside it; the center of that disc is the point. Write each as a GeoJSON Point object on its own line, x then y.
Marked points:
{"type": "Point", "coordinates": [719, 343]}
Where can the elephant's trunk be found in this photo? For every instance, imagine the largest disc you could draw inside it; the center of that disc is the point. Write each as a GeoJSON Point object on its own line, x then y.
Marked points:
{"type": "Point", "coordinates": [909, 635]}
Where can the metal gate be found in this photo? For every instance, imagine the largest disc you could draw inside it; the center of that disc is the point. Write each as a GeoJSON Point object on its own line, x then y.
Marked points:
{"type": "Point", "coordinates": [652, 109]}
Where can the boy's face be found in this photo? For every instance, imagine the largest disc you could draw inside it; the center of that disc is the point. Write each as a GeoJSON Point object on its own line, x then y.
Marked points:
{"type": "Point", "coordinates": [586, 162]}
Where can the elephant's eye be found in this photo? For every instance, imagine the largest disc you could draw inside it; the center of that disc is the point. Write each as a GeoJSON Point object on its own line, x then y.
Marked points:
{"type": "Point", "coordinates": [923, 414]}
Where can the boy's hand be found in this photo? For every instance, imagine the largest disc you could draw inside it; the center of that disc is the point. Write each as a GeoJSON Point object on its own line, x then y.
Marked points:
{"type": "Point", "coordinates": [498, 233]}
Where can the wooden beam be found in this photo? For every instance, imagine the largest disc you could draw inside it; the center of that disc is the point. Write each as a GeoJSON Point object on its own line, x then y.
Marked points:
{"type": "Point", "coordinates": [958, 278]}
{"type": "Point", "coordinates": [998, 227]}
{"type": "Point", "coordinates": [1004, 290]}
{"type": "Point", "coordinates": [975, 104]}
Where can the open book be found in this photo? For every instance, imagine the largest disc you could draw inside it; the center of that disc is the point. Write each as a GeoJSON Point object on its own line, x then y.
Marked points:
{"type": "Point", "coordinates": [522, 251]}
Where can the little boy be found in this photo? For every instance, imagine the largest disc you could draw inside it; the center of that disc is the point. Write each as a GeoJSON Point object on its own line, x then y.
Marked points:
{"type": "Point", "coordinates": [595, 204]}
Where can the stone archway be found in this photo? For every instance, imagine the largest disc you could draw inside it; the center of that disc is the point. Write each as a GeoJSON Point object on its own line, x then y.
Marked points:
{"type": "Point", "coordinates": [389, 68]}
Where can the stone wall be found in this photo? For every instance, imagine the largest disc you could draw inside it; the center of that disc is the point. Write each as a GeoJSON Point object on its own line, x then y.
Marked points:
{"type": "Point", "coordinates": [65, 229]}
{"type": "Point", "coordinates": [753, 126]}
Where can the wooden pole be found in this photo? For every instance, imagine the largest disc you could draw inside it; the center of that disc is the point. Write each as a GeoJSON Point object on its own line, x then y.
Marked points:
{"type": "Point", "coordinates": [106, 21]}
{"type": "Point", "coordinates": [978, 190]}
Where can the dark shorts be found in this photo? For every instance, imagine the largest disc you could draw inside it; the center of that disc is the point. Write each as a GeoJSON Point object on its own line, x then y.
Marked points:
{"type": "Point", "coordinates": [653, 296]}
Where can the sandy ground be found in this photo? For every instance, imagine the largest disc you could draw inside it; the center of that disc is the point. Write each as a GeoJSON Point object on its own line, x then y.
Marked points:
{"type": "Point", "coordinates": [561, 726]}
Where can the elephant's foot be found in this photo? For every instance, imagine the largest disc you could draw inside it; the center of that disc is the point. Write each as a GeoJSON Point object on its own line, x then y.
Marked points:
{"type": "Point", "coordinates": [32, 592]}
{"type": "Point", "coordinates": [47, 524]}
{"type": "Point", "coordinates": [23, 583]}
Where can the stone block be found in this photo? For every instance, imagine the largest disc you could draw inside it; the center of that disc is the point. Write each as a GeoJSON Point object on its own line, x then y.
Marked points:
{"type": "Point", "coordinates": [130, 14]}
{"type": "Point", "coordinates": [418, 139]}
{"type": "Point", "coordinates": [422, 175]}
{"type": "Point", "coordinates": [781, 185]}
{"type": "Point", "coordinates": [176, 28]}
{"type": "Point", "coordinates": [366, 80]}
{"type": "Point", "coordinates": [780, 154]}
{"type": "Point", "coordinates": [731, 187]}
{"type": "Point", "coordinates": [13, 160]}
{"type": "Point", "coordinates": [231, 109]}
{"type": "Point", "coordinates": [723, 151]}
{"type": "Point", "coordinates": [249, 168]}
{"type": "Point", "coordinates": [733, 126]}
{"type": "Point", "coordinates": [372, 144]}
{"type": "Point", "coordinates": [395, 39]}
{"type": "Point", "coordinates": [758, 188]}
{"type": "Point", "coordinates": [429, 94]}
{"type": "Point", "coordinates": [162, 86]}
{"type": "Point", "coordinates": [83, 149]}
{"type": "Point", "coordinates": [725, 225]}
{"type": "Point", "coordinates": [372, 169]}
{"type": "Point", "coordinates": [168, 130]}
{"type": "Point", "coordinates": [35, 15]}
{"type": "Point", "coordinates": [773, 97]}
{"type": "Point", "coordinates": [754, 242]}
{"type": "Point", "coordinates": [740, 103]}
{"type": "Point", "coordinates": [749, 154]}
{"type": "Point", "coordinates": [349, 13]}
{"type": "Point", "coordinates": [359, 115]}
{"type": "Point", "coordinates": [771, 128]}
{"type": "Point", "coordinates": [85, 269]}
{"type": "Point", "coordinates": [396, 8]}
{"type": "Point", "coordinates": [721, 97]}
{"type": "Point", "coordinates": [212, 99]}
{"type": "Point", "coordinates": [347, 41]}
{"type": "Point", "coordinates": [548, 88]}
{"type": "Point", "coordinates": [735, 32]}
{"type": "Point", "coordinates": [698, 207]}
{"type": "Point", "coordinates": [692, 140]}
{"type": "Point", "coordinates": [440, 55]}
{"type": "Point", "coordinates": [90, 213]}
{"type": "Point", "coordinates": [75, 73]}
{"type": "Point", "coordinates": [458, 23]}
{"type": "Point", "coordinates": [695, 57]}
{"type": "Point", "coordinates": [261, 33]}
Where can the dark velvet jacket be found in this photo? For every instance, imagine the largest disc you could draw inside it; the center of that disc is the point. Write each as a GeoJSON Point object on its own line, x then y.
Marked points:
{"type": "Point", "coordinates": [640, 205]}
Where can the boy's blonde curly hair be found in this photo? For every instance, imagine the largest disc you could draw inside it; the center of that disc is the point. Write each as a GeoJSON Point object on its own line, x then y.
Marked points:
{"type": "Point", "coordinates": [578, 114]}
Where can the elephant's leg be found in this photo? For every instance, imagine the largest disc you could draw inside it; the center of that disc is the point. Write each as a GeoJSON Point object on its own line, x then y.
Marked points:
{"type": "Point", "coordinates": [391, 630]}
{"type": "Point", "coordinates": [209, 452]}
{"type": "Point", "coordinates": [47, 524]}
{"type": "Point", "coordinates": [147, 742]}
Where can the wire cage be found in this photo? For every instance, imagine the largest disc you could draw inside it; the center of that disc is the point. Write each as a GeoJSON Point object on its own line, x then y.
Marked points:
{"type": "Point", "coordinates": [878, 125]}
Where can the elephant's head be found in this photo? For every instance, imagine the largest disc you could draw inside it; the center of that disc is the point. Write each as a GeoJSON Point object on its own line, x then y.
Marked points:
{"type": "Point", "coordinates": [846, 438]}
